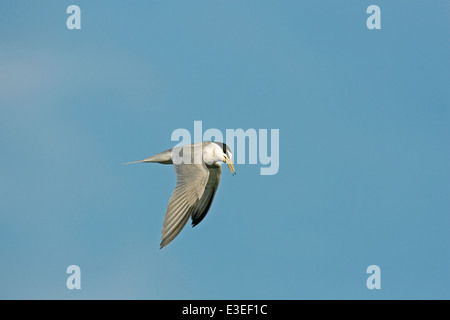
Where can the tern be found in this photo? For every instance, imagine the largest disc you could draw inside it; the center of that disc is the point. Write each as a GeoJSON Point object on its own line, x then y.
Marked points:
{"type": "Point", "coordinates": [198, 177]}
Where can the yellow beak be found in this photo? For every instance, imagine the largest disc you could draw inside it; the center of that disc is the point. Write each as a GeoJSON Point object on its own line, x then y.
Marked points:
{"type": "Point", "coordinates": [229, 164]}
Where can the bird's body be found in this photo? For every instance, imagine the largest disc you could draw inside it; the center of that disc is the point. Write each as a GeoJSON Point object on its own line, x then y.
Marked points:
{"type": "Point", "coordinates": [198, 168]}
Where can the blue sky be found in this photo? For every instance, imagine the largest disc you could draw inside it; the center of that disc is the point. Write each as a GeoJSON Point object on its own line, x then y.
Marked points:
{"type": "Point", "coordinates": [364, 173]}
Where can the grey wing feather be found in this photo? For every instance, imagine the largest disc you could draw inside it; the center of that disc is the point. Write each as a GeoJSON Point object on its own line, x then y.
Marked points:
{"type": "Point", "coordinates": [205, 202]}
{"type": "Point", "coordinates": [191, 182]}
{"type": "Point", "coordinates": [164, 157]}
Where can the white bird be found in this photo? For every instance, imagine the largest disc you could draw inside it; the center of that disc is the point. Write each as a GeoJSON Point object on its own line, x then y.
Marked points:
{"type": "Point", "coordinates": [198, 168]}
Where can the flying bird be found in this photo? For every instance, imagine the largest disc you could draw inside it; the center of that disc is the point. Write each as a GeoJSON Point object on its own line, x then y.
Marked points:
{"type": "Point", "coordinates": [198, 168]}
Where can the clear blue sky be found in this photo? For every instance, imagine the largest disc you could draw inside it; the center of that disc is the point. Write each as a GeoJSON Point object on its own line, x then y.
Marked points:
{"type": "Point", "coordinates": [364, 124]}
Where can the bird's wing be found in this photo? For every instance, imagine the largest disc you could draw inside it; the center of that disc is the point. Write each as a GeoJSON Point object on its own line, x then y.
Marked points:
{"type": "Point", "coordinates": [204, 203]}
{"type": "Point", "coordinates": [191, 182]}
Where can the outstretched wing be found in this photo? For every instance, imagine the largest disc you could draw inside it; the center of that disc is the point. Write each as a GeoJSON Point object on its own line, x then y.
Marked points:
{"type": "Point", "coordinates": [191, 182]}
{"type": "Point", "coordinates": [205, 202]}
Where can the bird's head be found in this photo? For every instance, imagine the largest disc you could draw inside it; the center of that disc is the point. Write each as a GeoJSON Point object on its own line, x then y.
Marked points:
{"type": "Point", "coordinates": [226, 156]}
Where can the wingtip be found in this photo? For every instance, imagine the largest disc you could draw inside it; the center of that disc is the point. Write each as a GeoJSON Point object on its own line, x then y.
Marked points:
{"type": "Point", "coordinates": [163, 244]}
{"type": "Point", "coordinates": [132, 162]}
